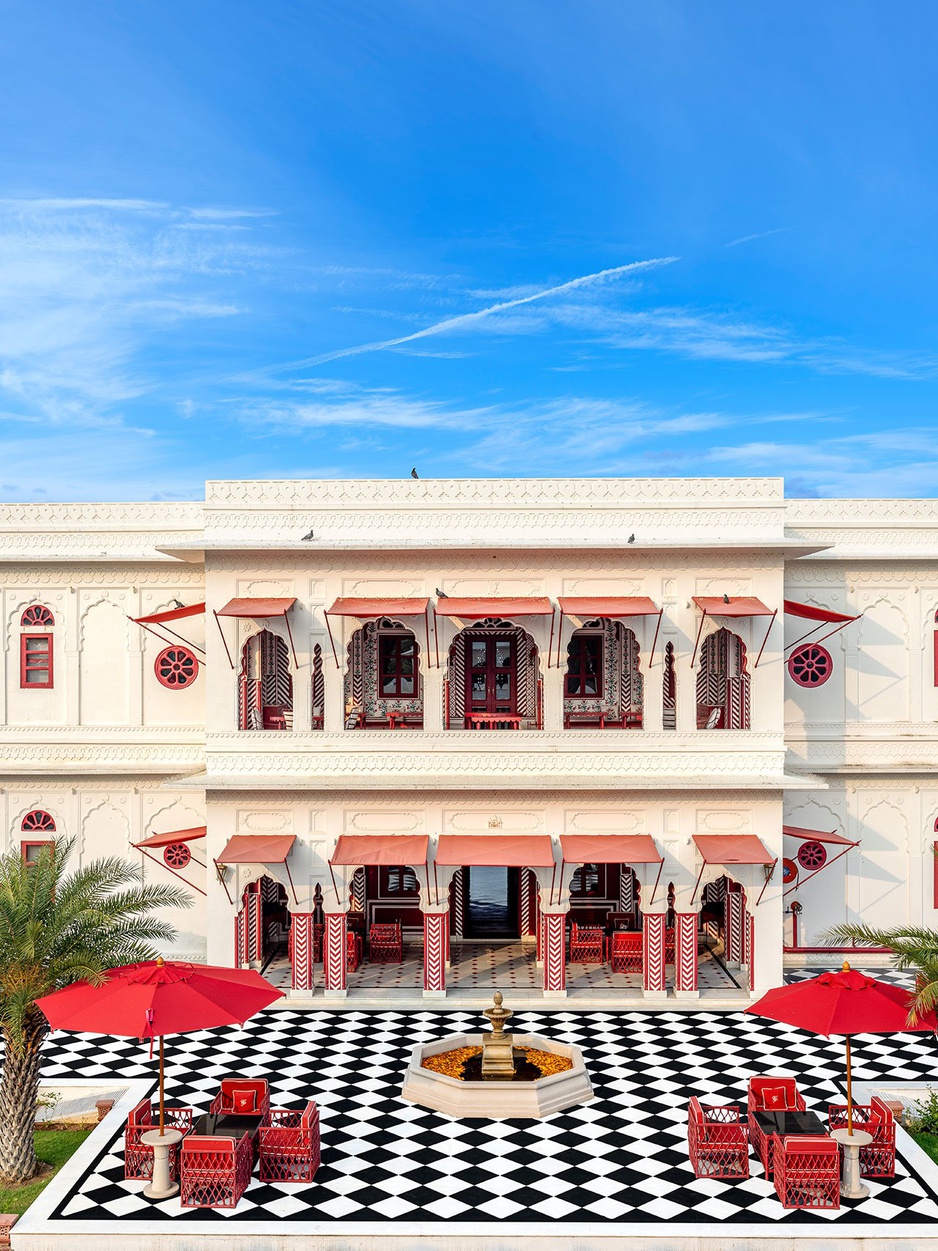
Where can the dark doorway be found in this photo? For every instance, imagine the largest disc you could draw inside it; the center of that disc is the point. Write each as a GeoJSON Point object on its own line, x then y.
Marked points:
{"type": "Point", "coordinates": [492, 903]}
{"type": "Point", "coordinates": [491, 670]}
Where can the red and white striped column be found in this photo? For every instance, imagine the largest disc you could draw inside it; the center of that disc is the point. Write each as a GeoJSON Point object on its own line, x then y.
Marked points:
{"type": "Point", "coordinates": [751, 950]}
{"type": "Point", "coordinates": [685, 955]}
{"type": "Point", "coordinates": [653, 954]}
{"type": "Point", "coordinates": [334, 958]}
{"type": "Point", "coordinates": [554, 952]}
{"type": "Point", "coordinates": [301, 950]}
{"type": "Point", "coordinates": [435, 948]}
{"type": "Point", "coordinates": [735, 931]}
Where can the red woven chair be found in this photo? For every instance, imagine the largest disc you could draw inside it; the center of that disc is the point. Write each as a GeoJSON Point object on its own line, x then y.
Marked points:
{"type": "Point", "coordinates": [669, 946]}
{"type": "Point", "coordinates": [763, 1097]}
{"type": "Point", "coordinates": [231, 1098]}
{"type": "Point", "coordinates": [876, 1118]}
{"type": "Point", "coordinates": [807, 1172]}
{"type": "Point", "coordinates": [289, 1145]}
{"type": "Point", "coordinates": [138, 1157]}
{"type": "Point", "coordinates": [353, 951]}
{"type": "Point", "coordinates": [586, 944]}
{"type": "Point", "coordinates": [214, 1172]}
{"type": "Point", "coordinates": [717, 1141]}
{"type": "Point", "coordinates": [386, 943]}
{"type": "Point", "coordinates": [625, 952]}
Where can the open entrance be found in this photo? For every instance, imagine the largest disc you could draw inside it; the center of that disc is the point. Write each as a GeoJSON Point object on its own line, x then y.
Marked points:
{"type": "Point", "coordinates": [491, 903]}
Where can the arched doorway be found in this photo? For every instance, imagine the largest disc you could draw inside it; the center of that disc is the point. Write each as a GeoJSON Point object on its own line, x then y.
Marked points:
{"type": "Point", "coordinates": [493, 679]}
{"type": "Point", "coordinates": [723, 683]}
{"type": "Point", "coordinates": [383, 683]}
{"type": "Point", "coordinates": [265, 685]}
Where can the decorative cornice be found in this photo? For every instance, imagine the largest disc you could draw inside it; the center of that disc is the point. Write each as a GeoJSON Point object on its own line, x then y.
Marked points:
{"type": "Point", "coordinates": [73, 759]}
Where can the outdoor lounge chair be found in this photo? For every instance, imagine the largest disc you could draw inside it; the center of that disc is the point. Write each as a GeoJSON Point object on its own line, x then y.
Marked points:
{"type": "Point", "coordinates": [232, 1098]}
{"type": "Point", "coordinates": [717, 1141]}
{"type": "Point", "coordinates": [625, 951]}
{"type": "Point", "coordinates": [289, 1144]}
{"type": "Point", "coordinates": [587, 943]}
{"type": "Point", "coordinates": [138, 1157]}
{"type": "Point", "coordinates": [770, 1094]}
{"type": "Point", "coordinates": [876, 1118]}
{"type": "Point", "coordinates": [386, 943]}
{"type": "Point", "coordinates": [807, 1172]}
{"type": "Point", "coordinates": [214, 1172]}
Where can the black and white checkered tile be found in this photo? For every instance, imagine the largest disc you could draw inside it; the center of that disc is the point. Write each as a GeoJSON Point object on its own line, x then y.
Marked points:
{"type": "Point", "coordinates": [621, 1158]}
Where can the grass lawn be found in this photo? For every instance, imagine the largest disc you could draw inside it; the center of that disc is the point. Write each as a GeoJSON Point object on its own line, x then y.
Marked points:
{"type": "Point", "coordinates": [53, 1146]}
{"type": "Point", "coordinates": [929, 1143]}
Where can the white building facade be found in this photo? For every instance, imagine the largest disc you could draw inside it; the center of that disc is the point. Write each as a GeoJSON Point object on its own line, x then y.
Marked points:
{"type": "Point", "coordinates": [485, 711]}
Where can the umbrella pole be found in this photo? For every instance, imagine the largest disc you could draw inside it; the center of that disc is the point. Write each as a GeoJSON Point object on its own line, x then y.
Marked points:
{"type": "Point", "coordinates": [162, 1122]}
{"type": "Point", "coordinates": [849, 1092]}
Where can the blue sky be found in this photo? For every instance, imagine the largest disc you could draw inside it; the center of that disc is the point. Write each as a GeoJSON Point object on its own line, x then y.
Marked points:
{"type": "Point", "coordinates": [303, 238]}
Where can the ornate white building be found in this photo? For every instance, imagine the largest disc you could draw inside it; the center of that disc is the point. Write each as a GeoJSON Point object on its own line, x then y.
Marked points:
{"type": "Point", "coordinates": [485, 711]}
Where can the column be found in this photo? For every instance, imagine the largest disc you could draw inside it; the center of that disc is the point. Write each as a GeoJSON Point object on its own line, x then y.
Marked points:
{"type": "Point", "coordinates": [653, 955]}
{"type": "Point", "coordinates": [301, 951]}
{"type": "Point", "coordinates": [734, 925]}
{"type": "Point", "coordinates": [685, 955]}
{"type": "Point", "coordinates": [254, 919]}
{"type": "Point", "coordinates": [554, 928]}
{"type": "Point", "coordinates": [435, 926]}
{"type": "Point", "coordinates": [751, 950]}
{"type": "Point", "coordinates": [334, 957]}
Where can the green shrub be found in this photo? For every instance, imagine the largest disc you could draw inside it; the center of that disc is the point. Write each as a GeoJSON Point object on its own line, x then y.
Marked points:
{"type": "Point", "coordinates": [922, 1116]}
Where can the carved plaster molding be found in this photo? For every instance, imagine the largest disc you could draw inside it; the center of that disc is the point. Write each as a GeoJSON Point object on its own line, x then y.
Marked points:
{"type": "Point", "coordinates": [78, 758]}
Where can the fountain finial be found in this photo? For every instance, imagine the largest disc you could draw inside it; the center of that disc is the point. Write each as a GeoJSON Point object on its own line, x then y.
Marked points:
{"type": "Point", "coordinates": [498, 1061]}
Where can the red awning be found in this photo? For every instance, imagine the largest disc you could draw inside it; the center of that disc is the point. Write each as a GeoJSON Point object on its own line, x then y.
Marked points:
{"type": "Point", "coordinates": [608, 606]}
{"type": "Point", "coordinates": [810, 613]}
{"type": "Point", "coordinates": [818, 836]}
{"type": "Point", "coordinates": [733, 849]}
{"type": "Point", "coordinates": [516, 851]}
{"type": "Point", "coordinates": [368, 608]}
{"type": "Point", "coordinates": [387, 849]}
{"type": "Point", "coordinates": [173, 836]}
{"type": "Point", "coordinates": [610, 849]}
{"type": "Point", "coordinates": [257, 849]}
{"type": "Point", "coordinates": [732, 606]}
{"type": "Point", "coordinates": [476, 609]}
{"type": "Point", "coordinates": [257, 607]}
{"type": "Point", "coordinates": [171, 614]}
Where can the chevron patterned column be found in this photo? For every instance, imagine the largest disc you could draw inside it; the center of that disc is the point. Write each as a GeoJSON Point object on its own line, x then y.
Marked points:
{"type": "Point", "coordinates": [734, 928]}
{"type": "Point", "coordinates": [241, 939]}
{"type": "Point", "coordinates": [253, 907]}
{"type": "Point", "coordinates": [653, 966]}
{"type": "Point", "coordinates": [685, 955]}
{"type": "Point", "coordinates": [435, 925]}
{"type": "Point", "coordinates": [555, 954]}
{"type": "Point", "coordinates": [301, 950]}
{"type": "Point", "coordinates": [751, 950]}
{"type": "Point", "coordinates": [335, 971]}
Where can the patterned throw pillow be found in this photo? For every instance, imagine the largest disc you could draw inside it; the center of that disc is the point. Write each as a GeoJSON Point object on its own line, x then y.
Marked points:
{"type": "Point", "coordinates": [775, 1098]}
{"type": "Point", "coordinates": [244, 1100]}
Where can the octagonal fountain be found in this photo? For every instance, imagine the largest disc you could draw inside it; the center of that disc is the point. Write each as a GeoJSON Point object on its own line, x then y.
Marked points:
{"type": "Point", "coordinates": [496, 1076]}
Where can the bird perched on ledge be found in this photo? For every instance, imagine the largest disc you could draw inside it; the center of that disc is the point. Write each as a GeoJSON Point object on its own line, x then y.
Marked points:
{"type": "Point", "coordinates": [414, 473]}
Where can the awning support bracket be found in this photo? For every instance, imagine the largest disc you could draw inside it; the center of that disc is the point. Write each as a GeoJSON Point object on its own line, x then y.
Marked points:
{"type": "Point", "coordinates": [766, 639]}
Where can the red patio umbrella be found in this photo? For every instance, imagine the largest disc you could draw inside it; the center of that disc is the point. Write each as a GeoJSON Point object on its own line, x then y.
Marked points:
{"type": "Point", "coordinates": [847, 1003]}
{"type": "Point", "coordinates": [158, 997]}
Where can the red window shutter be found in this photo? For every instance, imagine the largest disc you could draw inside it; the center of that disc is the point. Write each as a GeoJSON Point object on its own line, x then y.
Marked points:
{"type": "Point", "coordinates": [36, 661]}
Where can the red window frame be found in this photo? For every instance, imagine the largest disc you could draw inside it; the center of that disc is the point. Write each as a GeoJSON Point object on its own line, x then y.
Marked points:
{"type": "Point", "coordinates": [389, 648]}
{"type": "Point", "coordinates": [935, 872]}
{"type": "Point", "coordinates": [27, 844]}
{"type": "Point", "coordinates": [578, 650]}
{"type": "Point", "coordinates": [38, 822]}
{"type": "Point", "coordinates": [37, 616]}
{"type": "Point", "coordinates": [39, 660]}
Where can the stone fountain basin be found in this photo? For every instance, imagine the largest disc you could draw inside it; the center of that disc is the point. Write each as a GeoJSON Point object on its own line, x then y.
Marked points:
{"type": "Point", "coordinates": [496, 1100]}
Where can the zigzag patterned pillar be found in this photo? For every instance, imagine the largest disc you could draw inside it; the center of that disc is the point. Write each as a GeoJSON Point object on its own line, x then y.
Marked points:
{"type": "Point", "coordinates": [334, 960]}
{"type": "Point", "coordinates": [554, 931]}
{"type": "Point", "coordinates": [253, 908]}
{"type": "Point", "coordinates": [653, 966]}
{"type": "Point", "coordinates": [241, 939]}
{"type": "Point", "coordinates": [435, 925]}
{"type": "Point", "coordinates": [734, 928]}
{"type": "Point", "coordinates": [685, 955]}
{"type": "Point", "coordinates": [751, 950]}
{"type": "Point", "coordinates": [301, 950]}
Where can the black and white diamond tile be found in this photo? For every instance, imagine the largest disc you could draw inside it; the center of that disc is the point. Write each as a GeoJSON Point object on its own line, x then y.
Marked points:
{"type": "Point", "coordinates": [621, 1158]}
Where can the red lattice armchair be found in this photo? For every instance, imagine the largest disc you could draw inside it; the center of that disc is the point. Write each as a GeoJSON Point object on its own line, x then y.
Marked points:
{"type": "Point", "coordinates": [353, 951]}
{"type": "Point", "coordinates": [717, 1141]}
{"type": "Point", "coordinates": [625, 951]}
{"type": "Point", "coordinates": [876, 1118]}
{"type": "Point", "coordinates": [807, 1172]}
{"type": "Point", "coordinates": [289, 1145]}
{"type": "Point", "coordinates": [214, 1172]}
{"type": "Point", "coordinates": [770, 1094]}
{"type": "Point", "coordinates": [587, 943]}
{"type": "Point", "coordinates": [386, 943]}
{"type": "Point", "coordinates": [669, 946]}
{"type": "Point", "coordinates": [242, 1096]}
{"type": "Point", "coordinates": [138, 1158]}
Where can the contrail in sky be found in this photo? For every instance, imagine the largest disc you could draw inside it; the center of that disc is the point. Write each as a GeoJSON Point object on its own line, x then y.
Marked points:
{"type": "Point", "coordinates": [466, 319]}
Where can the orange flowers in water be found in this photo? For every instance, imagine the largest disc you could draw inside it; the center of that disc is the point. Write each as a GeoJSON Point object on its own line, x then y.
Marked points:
{"type": "Point", "coordinates": [452, 1063]}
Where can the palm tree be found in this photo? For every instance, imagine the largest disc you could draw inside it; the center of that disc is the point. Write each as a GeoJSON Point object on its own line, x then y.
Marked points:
{"type": "Point", "coordinates": [59, 927]}
{"type": "Point", "coordinates": [913, 947]}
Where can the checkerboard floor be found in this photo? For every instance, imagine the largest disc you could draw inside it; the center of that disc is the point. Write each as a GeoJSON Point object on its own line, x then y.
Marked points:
{"type": "Point", "coordinates": [621, 1158]}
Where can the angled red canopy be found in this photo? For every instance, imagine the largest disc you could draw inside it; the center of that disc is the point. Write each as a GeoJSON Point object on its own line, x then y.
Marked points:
{"type": "Point", "coordinates": [818, 836]}
{"type": "Point", "coordinates": [610, 849]}
{"type": "Point", "coordinates": [499, 606]}
{"type": "Point", "coordinates": [822, 616]}
{"type": "Point", "coordinates": [257, 608]}
{"type": "Point", "coordinates": [173, 836]}
{"type": "Point", "coordinates": [733, 849]}
{"type": "Point", "coordinates": [257, 849]}
{"type": "Point", "coordinates": [732, 606]}
{"type": "Point", "coordinates": [585, 607]}
{"type": "Point", "coordinates": [521, 851]}
{"type": "Point", "coordinates": [365, 609]}
{"type": "Point", "coordinates": [381, 849]}
{"type": "Point", "coordinates": [170, 614]}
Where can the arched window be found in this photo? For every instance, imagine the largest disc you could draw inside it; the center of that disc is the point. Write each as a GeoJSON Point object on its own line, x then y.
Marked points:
{"type": "Point", "coordinates": [36, 658]}
{"type": "Point", "coordinates": [383, 683]}
{"type": "Point", "coordinates": [723, 683]}
{"type": "Point", "coordinates": [493, 678]}
{"type": "Point", "coordinates": [265, 684]}
{"type": "Point", "coordinates": [603, 685]}
{"type": "Point", "coordinates": [40, 825]}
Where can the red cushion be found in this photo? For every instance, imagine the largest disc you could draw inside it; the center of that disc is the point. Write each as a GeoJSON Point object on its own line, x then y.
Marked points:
{"type": "Point", "coordinates": [775, 1098]}
{"type": "Point", "coordinates": [244, 1100]}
